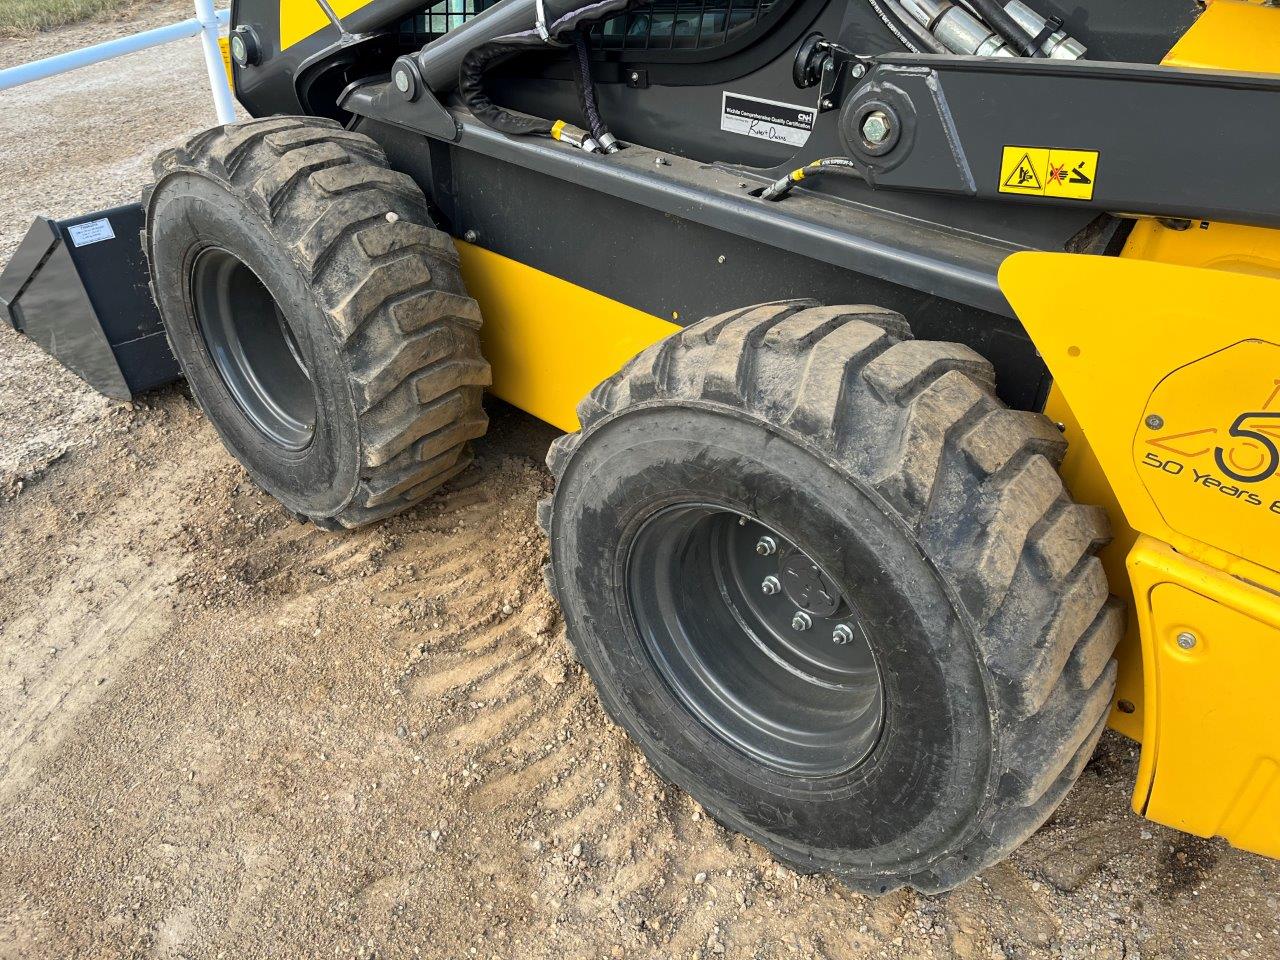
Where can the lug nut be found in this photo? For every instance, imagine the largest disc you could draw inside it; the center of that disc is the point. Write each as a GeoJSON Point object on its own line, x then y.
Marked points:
{"type": "Point", "coordinates": [875, 128]}
{"type": "Point", "coordinates": [766, 546]}
{"type": "Point", "coordinates": [801, 621]}
{"type": "Point", "coordinates": [1187, 640]}
{"type": "Point", "coordinates": [770, 586]}
{"type": "Point", "coordinates": [842, 634]}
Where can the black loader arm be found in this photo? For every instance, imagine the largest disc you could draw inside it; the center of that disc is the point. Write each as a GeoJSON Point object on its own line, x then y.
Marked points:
{"type": "Point", "coordinates": [1116, 137]}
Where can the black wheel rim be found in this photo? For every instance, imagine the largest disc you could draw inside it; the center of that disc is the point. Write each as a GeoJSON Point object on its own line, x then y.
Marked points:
{"type": "Point", "coordinates": [755, 640]}
{"type": "Point", "coordinates": [253, 348]}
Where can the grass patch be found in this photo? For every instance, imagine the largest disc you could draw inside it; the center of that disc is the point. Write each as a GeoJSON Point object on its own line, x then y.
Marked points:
{"type": "Point", "coordinates": [22, 17]}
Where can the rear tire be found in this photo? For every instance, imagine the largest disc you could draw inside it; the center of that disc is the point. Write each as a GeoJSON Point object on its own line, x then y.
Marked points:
{"type": "Point", "coordinates": [937, 517]}
{"type": "Point", "coordinates": [319, 317]}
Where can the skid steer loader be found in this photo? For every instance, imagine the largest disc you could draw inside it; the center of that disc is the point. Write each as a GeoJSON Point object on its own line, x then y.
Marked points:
{"type": "Point", "coordinates": [965, 265]}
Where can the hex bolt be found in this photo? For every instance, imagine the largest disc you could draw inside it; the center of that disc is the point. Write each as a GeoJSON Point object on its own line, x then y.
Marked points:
{"type": "Point", "coordinates": [801, 621]}
{"type": "Point", "coordinates": [842, 634]}
{"type": "Point", "coordinates": [828, 103]}
{"type": "Point", "coordinates": [471, 236]}
{"type": "Point", "coordinates": [721, 258]}
{"type": "Point", "coordinates": [770, 586]}
{"type": "Point", "coordinates": [875, 128]}
{"type": "Point", "coordinates": [858, 70]}
{"type": "Point", "coordinates": [766, 546]}
{"type": "Point", "coordinates": [1155, 421]}
{"type": "Point", "coordinates": [635, 77]}
{"type": "Point", "coordinates": [1187, 640]}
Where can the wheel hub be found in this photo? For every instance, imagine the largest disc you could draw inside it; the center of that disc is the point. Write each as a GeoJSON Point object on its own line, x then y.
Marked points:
{"type": "Point", "coordinates": [808, 587]}
{"type": "Point", "coordinates": [756, 640]}
{"type": "Point", "coordinates": [253, 348]}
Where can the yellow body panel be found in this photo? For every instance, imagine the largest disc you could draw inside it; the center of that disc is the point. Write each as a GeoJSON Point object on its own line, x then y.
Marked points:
{"type": "Point", "coordinates": [1155, 363]}
{"type": "Point", "coordinates": [299, 19]}
{"type": "Point", "coordinates": [1213, 759]}
{"type": "Point", "coordinates": [1230, 35]}
{"type": "Point", "coordinates": [1127, 340]}
{"type": "Point", "coordinates": [1085, 479]}
{"type": "Point", "coordinates": [550, 341]}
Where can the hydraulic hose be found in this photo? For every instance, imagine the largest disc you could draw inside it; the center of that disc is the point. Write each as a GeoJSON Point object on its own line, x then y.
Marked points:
{"type": "Point", "coordinates": [895, 14]}
{"type": "Point", "coordinates": [587, 92]}
{"type": "Point", "coordinates": [897, 27]}
{"type": "Point", "coordinates": [999, 20]}
{"type": "Point", "coordinates": [780, 188]}
{"type": "Point", "coordinates": [555, 23]}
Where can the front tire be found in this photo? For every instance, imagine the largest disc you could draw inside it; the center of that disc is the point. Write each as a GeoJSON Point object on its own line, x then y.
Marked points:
{"type": "Point", "coordinates": [319, 317]}
{"type": "Point", "coordinates": [960, 673]}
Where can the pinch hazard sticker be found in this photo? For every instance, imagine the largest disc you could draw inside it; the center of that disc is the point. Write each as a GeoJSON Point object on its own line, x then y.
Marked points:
{"type": "Point", "coordinates": [1041, 172]}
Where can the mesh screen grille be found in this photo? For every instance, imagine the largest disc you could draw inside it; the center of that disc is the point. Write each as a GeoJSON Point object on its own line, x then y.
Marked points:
{"type": "Point", "coordinates": [657, 25]}
{"type": "Point", "coordinates": [680, 24]}
{"type": "Point", "coordinates": [441, 17]}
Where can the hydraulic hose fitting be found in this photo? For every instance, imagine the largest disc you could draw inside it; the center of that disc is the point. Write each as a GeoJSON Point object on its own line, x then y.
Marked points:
{"type": "Point", "coordinates": [568, 133]}
{"type": "Point", "coordinates": [957, 29]}
{"type": "Point", "coordinates": [609, 143]}
{"type": "Point", "coordinates": [1053, 41]}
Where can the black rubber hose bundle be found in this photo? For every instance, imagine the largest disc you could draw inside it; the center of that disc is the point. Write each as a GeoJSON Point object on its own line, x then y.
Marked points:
{"type": "Point", "coordinates": [562, 19]}
{"type": "Point", "coordinates": [471, 73]}
{"type": "Point", "coordinates": [587, 87]}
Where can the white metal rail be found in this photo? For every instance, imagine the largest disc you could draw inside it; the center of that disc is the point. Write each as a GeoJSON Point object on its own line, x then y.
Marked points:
{"type": "Point", "coordinates": [205, 24]}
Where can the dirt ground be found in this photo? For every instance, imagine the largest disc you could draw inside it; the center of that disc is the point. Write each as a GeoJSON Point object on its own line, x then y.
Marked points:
{"type": "Point", "coordinates": [225, 734]}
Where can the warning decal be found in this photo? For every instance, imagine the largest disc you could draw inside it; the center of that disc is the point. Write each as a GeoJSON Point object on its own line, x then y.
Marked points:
{"type": "Point", "coordinates": [1049, 172]}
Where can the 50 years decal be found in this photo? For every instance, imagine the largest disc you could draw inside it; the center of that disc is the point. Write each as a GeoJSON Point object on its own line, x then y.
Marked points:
{"type": "Point", "coordinates": [1208, 449]}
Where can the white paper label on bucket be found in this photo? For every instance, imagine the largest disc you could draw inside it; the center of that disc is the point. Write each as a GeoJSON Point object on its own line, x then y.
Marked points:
{"type": "Point", "coordinates": [95, 231]}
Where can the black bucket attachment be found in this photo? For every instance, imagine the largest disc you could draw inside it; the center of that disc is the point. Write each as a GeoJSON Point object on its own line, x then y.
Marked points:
{"type": "Point", "coordinates": [79, 288]}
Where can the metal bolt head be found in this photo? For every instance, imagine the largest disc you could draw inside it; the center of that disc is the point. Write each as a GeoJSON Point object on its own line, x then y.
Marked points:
{"type": "Point", "coordinates": [801, 621]}
{"type": "Point", "coordinates": [858, 70]}
{"type": "Point", "coordinates": [828, 103]}
{"type": "Point", "coordinates": [239, 51]}
{"type": "Point", "coordinates": [842, 634]}
{"type": "Point", "coordinates": [471, 236]}
{"type": "Point", "coordinates": [770, 586]}
{"type": "Point", "coordinates": [766, 546]}
{"type": "Point", "coordinates": [662, 161]}
{"type": "Point", "coordinates": [875, 128]}
{"type": "Point", "coordinates": [402, 81]}
{"type": "Point", "coordinates": [1155, 421]}
{"type": "Point", "coordinates": [635, 77]}
{"type": "Point", "coordinates": [721, 258]}
{"type": "Point", "coordinates": [1187, 640]}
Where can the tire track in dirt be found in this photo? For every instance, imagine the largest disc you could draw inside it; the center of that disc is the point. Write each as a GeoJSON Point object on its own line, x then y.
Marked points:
{"type": "Point", "coordinates": [379, 743]}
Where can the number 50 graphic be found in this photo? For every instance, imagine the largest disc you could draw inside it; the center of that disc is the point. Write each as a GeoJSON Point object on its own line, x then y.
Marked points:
{"type": "Point", "coordinates": [1260, 435]}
